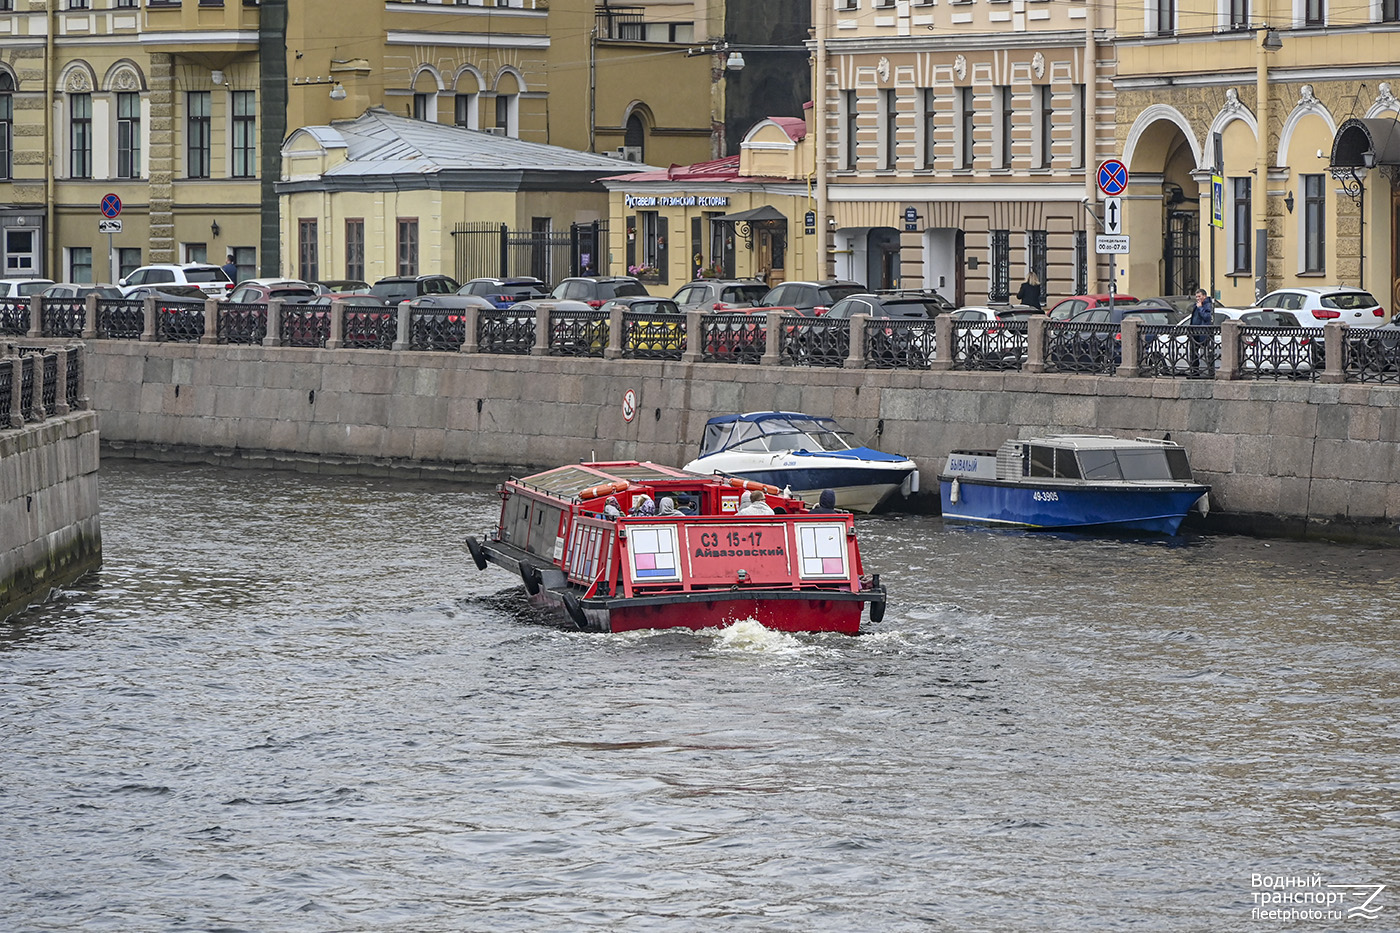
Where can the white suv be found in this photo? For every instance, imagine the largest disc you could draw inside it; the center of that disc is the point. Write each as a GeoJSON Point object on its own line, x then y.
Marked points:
{"type": "Point", "coordinates": [1317, 306]}
{"type": "Point", "coordinates": [209, 279]}
{"type": "Point", "coordinates": [20, 288]}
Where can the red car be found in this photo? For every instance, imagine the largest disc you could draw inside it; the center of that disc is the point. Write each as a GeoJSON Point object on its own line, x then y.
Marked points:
{"type": "Point", "coordinates": [1069, 307]}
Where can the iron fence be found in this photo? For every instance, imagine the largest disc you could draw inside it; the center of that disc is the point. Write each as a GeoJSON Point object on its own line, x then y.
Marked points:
{"type": "Point", "coordinates": [180, 321]}
{"type": "Point", "coordinates": [14, 316]}
{"type": "Point", "coordinates": [506, 331]}
{"type": "Point", "coordinates": [1082, 347]}
{"type": "Point", "coordinates": [7, 375]}
{"type": "Point", "coordinates": [305, 327]}
{"type": "Point", "coordinates": [242, 323]}
{"type": "Point", "coordinates": [26, 392]}
{"type": "Point", "coordinates": [899, 344]}
{"type": "Point", "coordinates": [1178, 351]}
{"type": "Point", "coordinates": [48, 392]}
{"type": "Point", "coordinates": [436, 330]}
{"type": "Point", "coordinates": [1281, 353]}
{"type": "Point", "coordinates": [485, 249]}
{"type": "Point", "coordinates": [374, 329]}
{"type": "Point", "coordinates": [989, 345]}
{"type": "Point", "coordinates": [63, 317]}
{"type": "Point", "coordinates": [120, 318]}
{"type": "Point", "coordinates": [647, 337]}
{"type": "Point", "coordinates": [73, 391]}
{"type": "Point", "coordinates": [578, 333]}
{"type": "Point", "coordinates": [1372, 357]}
{"type": "Point", "coordinates": [734, 338]}
{"type": "Point", "coordinates": [815, 341]}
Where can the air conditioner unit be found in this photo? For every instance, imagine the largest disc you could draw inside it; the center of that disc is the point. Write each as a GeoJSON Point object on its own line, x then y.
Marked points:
{"type": "Point", "coordinates": [631, 153]}
{"type": "Point", "coordinates": [496, 130]}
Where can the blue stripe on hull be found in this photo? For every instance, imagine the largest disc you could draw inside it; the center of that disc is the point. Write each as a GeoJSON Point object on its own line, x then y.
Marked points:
{"type": "Point", "coordinates": [806, 479]}
{"type": "Point", "coordinates": [1155, 510]}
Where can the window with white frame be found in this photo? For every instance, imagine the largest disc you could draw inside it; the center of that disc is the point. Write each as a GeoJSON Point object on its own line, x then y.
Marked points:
{"type": "Point", "coordinates": [128, 135]}
{"type": "Point", "coordinates": [195, 252]}
{"type": "Point", "coordinates": [1163, 17]}
{"type": "Point", "coordinates": [80, 264]}
{"type": "Point", "coordinates": [1001, 127]}
{"type": "Point", "coordinates": [850, 148]}
{"type": "Point", "coordinates": [1241, 220]}
{"type": "Point", "coordinates": [889, 117]}
{"type": "Point", "coordinates": [508, 113]}
{"type": "Point", "coordinates": [1390, 11]}
{"type": "Point", "coordinates": [198, 142]}
{"type": "Point", "coordinates": [80, 135]}
{"type": "Point", "coordinates": [1044, 126]}
{"type": "Point", "coordinates": [928, 122]}
{"type": "Point", "coordinates": [355, 249]}
{"type": "Point", "coordinates": [464, 111]}
{"type": "Point", "coordinates": [1239, 14]}
{"type": "Point", "coordinates": [1314, 224]}
{"type": "Point", "coordinates": [7, 120]}
{"type": "Point", "coordinates": [408, 246]}
{"type": "Point", "coordinates": [966, 117]}
{"type": "Point", "coordinates": [1080, 124]}
{"type": "Point", "coordinates": [245, 135]}
{"type": "Point", "coordinates": [1315, 12]}
{"type": "Point", "coordinates": [128, 260]}
{"type": "Point", "coordinates": [308, 250]}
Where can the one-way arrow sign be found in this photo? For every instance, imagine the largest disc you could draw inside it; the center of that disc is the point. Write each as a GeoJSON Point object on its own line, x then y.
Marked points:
{"type": "Point", "coordinates": [1113, 216]}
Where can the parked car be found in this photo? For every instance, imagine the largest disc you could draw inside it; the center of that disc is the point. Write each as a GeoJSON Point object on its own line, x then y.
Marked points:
{"type": "Point", "coordinates": [596, 289]}
{"type": "Point", "coordinates": [1319, 305]}
{"type": "Point", "coordinates": [1182, 304]}
{"type": "Point", "coordinates": [166, 292]}
{"type": "Point", "coordinates": [261, 291]}
{"type": "Point", "coordinates": [78, 290]}
{"type": "Point", "coordinates": [660, 333]}
{"type": "Point", "coordinates": [720, 294]}
{"type": "Point", "coordinates": [502, 293]}
{"type": "Point", "coordinates": [1068, 307]}
{"type": "Point", "coordinates": [825, 344]}
{"type": "Point", "coordinates": [997, 346]}
{"type": "Point", "coordinates": [342, 287]}
{"type": "Point", "coordinates": [404, 287]}
{"type": "Point", "coordinates": [22, 288]}
{"type": "Point", "coordinates": [1375, 351]}
{"type": "Point", "coordinates": [929, 295]}
{"type": "Point", "coordinates": [1294, 355]}
{"type": "Point", "coordinates": [211, 280]}
{"type": "Point", "coordinates": [810, 298]}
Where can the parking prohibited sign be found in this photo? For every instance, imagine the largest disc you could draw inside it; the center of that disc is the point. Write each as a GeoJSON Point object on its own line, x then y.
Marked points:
{"type": "Point", "coordinates": [111, 206]}
{"type": "Point", "coordinates": [1113, 177]}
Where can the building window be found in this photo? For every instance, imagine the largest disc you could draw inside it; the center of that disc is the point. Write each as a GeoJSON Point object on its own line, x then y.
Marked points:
{"type": "Point", "coordinates": [246, 259]}
{"type": "Point", "coordinates": [355, 249]}
{"type": "Point", "coordinates": [78, 5]}
{"type": "Point", "coordinates": [1164, 18]}
{"type": "Point", "coordinates": [21, 251]}
{"type": "Point", "coordinates": [128, 135]}
{"type": "Point", "coordinates": [80, 264]}
{"type": "Point", "coordinates": [1080, 123]}
{"type": "Point", "coordinates": [196, 252]}
{"type": "Point", "coordinates": [999, 288]}
{"type": "Point", "coordinates": [1314, 224]}
{"type": "Point", "coordinates": [308, 251]}
{"type": "Point", "coordinates": [197, 136]}
{"type": "Point", "coordinates": [848, 114]}
{"type": "Point", "coordinates": [408, 247]}
{"type": "Point", "coordinates": [127, 4]}
{"type": "Point", "coordinates": [1081, 262]}
{"type": "Point", "coordinates": [1315, 12]}
{"type": "Point", "coordinates": [649, 229]}
{"type": "Point", "coordinates": [1390, 11]}
{"type": "Point", "coordinates": [966, 114]}
{"type": "Point", "coordinates": [464, 111]}
{"type": "Point", "coordinates": [929, 122]}
{"type": "Point", "coordinates": [128, 260]}
{"type": "Point", "coordinates": [1240, 261]}
{"type": "Point", "coordinates": [890, 121]}
{"type": "Point", "coordinates": [1045, 126]}
{"type": "Point", "coordinates": [7, 122]}
{"type": "Point", "coordinates": [1239, 14]}
{"type": "Point", "coordinates": [420, 106]}
{"type": "Point", "coordinates": [245, 135]}
{"type": "Point", "coordinates": [1036, 261]}
{"type": "Point", "coordinates": [508, 113]}
{"type": "Point", "coordinates": [1002, 142]}
{"type": "Point", "coordinates": [80, 135]}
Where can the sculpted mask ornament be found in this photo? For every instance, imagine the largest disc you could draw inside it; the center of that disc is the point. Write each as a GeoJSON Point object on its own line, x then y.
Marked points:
{"type": "Point", "coordinates": [960, 67]}
{"type": "Point", "coordinates": [1232, 102]}
{"type": "Point", "coordinates": [1306, 98]}
{"type": "Point", "coordinates": [1385, 99]}
{"type": "Point", "coordinates": [125, 80]}
{"type": "Point", "coordinates": [1038, 65]}
{"type": "Point", "coordinates": [78, 82]}
{"type": "Point", "coordinates": [882, 68]}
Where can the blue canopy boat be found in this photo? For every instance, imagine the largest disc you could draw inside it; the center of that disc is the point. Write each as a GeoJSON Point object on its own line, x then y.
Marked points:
{"type": "Point", "coordinates": [804, 454]}
{"type": "Point", "coordinates": [1073, 482]}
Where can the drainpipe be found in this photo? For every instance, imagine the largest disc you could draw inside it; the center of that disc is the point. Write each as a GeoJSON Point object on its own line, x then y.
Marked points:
{"type": "Point", "coordinates": [1261, 163]}
{"type": "Point", "coordinates": [50, 237]}
{"type": "Point", "coordinates": [1090, 143]}
{"type": "Point", "coordinates": [819, 23]}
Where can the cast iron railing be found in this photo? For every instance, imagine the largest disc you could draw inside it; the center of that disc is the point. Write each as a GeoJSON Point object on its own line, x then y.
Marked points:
{"type": "Point", "coordinates": [578, 333]}
{"type": "Point", "coordinates": [989, 345]}
{"type": "Point", "coordinates": [733, 338]}
{"type": "Point", "coordinates": [121, 318]}
{"type": "Point", "coordinates": [891, 343]}
{"type": "Point", "coordinates": [505, 331]}
{"type": "Point", "coordinates": [653, 336]}
{"type": "Point", "coordinates": [815, 341]}
{"type": "Point", "coordinates": [1081, 347]}
{"type": "Point", "coordinates": [242, 323]}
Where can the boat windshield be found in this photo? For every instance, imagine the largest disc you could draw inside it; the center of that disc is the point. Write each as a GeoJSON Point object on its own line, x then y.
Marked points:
{"type": "Point", "coordinates": [775, 434]}
{"type": "Point", "coordinates": [1155, 463]}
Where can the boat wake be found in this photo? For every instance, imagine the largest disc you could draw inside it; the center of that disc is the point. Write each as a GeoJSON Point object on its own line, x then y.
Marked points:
{"type": "Point", "coordinates": [751, 636]}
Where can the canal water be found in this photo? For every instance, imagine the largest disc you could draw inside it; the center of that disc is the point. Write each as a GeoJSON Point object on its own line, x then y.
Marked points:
{"type": "Point", "coordinates": [289, 702]}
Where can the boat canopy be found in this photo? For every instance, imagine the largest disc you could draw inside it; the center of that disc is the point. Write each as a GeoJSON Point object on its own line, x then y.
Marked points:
{"type": "Point", "coordinates": [773, 430]}
{"type": "Point", "coordinates": [568, 481]}
{"type": "Point", "coordinates": [1088, 457]}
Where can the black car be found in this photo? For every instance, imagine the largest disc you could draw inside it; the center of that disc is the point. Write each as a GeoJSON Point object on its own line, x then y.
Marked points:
{"type": "Point", "coordinates": [596, 289]}
{"type": "Point", "coordinates": [810, 298]}
{"type": "Point", "coordinates": [505, 292]}
{"type": "Point", "coordinates": [404, 287]}
{"type": "Point", "coordinates": [826, 342]}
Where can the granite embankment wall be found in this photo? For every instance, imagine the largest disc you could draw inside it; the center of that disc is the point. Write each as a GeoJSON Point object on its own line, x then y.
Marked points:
{"type": "Point", "coordinates": [50, 532]}
{"type": "Point", "coordinates": [1283, 458]}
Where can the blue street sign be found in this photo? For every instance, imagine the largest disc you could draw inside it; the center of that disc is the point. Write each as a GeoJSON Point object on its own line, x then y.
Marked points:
{"type": "Point", "coordinates": [1113, 177]}
{"type": "Point", "coordinates": [111, 206]}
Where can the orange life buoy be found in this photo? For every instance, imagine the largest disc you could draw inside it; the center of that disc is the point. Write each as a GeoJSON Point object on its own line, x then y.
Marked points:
{"type": "Point", "coordinates": [739, 482]}
{"type": "Point", "coordinates": [606, 489]}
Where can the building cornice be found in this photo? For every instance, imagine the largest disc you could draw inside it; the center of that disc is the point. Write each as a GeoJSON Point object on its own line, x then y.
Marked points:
{"type": "Point", "coordinates": [1311, 75]}
{"type": "Point", "coordinates": [958, 191]}
{"type": "Point", "coordinates": [959, 43]}
{"type": "Point", "coordinates": [445, 9]}
{"type": "Point", "coordinates": [466, 40]}
{"type": "Point", "coordinates": [198, 37]}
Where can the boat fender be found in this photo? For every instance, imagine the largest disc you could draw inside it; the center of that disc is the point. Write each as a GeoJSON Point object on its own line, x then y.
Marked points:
{"type": "Point", "coordinates": [530, 576]}
{"type": "Point", "coordinates": [1203, 504]}
{"type": "Point", "coordinates": [606, 489]}
{"type": "Point", "coordinates": [954, 491]}
{"type": "Point", "coordinates": [474, 549]}
{"type": "Point", "coordinates": [877, 611]}
{"type": "Point", "coordinates": [575, 610]}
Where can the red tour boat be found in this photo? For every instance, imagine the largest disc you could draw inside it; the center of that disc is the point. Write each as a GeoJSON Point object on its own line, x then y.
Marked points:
{"type": "Point", "coordinates": [702, 567]}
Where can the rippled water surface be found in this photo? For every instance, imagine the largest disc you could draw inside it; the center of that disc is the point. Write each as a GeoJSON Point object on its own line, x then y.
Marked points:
{"type": "Point", "coordinates": [290, 703]}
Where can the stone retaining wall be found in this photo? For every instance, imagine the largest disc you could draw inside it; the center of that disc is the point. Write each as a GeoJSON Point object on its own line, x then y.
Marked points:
{"type": "Point", "coordinates": [50, 532]}
{"type": "Point", "coordinates": [1290, 458]}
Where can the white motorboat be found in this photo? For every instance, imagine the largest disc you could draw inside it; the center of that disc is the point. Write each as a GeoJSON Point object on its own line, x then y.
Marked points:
{"type": "Point", "coordinates": [804, 454]}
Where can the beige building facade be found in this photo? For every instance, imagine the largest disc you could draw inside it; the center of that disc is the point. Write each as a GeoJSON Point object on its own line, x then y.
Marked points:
{"type": "Point", "coordinates": [956, 142]}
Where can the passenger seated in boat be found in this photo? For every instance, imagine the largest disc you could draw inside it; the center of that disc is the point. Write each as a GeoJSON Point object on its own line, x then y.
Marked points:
{"type": "Point", "coordinates": [826, 504]}
{"type": "Point", "coordinates": [668, 508]}
{"type": "Point", "coordinates": [642, 506]}
{"type": "Point", "coordinates": [611, 508]}
{"type": "Point", "coordinates": [757, 505]}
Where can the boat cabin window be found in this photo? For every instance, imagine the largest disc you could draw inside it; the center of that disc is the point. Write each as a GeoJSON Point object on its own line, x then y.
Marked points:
{"type": "Point", "coordinates": [1160, 463]}
{"type": "Point", "coordinates": [1051, 461]}
{"type": "Point", "coordinates": [1099, 464]}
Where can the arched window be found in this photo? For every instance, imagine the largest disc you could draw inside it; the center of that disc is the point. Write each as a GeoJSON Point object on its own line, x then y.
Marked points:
{"type": "Point", "coordinates": [508, 104]}
{"type": "Point", "coordinates": [7, 112]}
{"type": "Point", "coordinates": [636, 136]}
